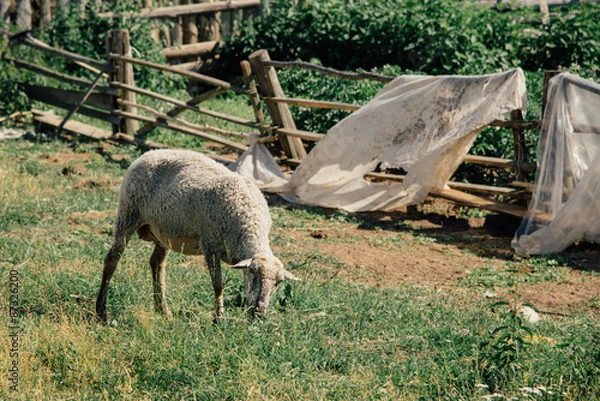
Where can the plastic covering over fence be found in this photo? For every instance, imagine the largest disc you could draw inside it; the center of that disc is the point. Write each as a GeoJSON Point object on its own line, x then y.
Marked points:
{"type": "Point", "coordinates": [565, 206]}
{"type": "Point", "coordinates": [422, 124]}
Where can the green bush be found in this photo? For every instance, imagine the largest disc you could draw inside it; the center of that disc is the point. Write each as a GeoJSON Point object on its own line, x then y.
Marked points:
{"type": "Point", "coordinates": [434, 37]}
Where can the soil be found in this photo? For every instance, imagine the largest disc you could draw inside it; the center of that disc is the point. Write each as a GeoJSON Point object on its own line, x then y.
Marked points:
{"type": "Point", "coordinates": [434, 244]}
{"type": "Point", "coordinates": [440, 247]}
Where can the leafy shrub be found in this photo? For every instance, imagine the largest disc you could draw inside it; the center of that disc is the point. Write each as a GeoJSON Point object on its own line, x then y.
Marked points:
{"type": "Point", "coordinates": [435, 37]}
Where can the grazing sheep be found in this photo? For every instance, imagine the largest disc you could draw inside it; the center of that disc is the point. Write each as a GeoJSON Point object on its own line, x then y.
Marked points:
{"type": "Point", "coordinates": [186, 202]}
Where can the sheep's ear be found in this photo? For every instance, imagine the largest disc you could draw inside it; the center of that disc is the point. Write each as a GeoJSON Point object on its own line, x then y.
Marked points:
{"type": "Point", "coordinates": [287, 275]}
{"type": "Point", "coordinates": [244, 264]}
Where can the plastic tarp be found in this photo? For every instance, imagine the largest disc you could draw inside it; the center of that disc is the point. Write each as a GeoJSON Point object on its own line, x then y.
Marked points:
{"type": "Point", "coordinates": [565, 205]}
{"type": "Point", "coordinates": [422, 124]}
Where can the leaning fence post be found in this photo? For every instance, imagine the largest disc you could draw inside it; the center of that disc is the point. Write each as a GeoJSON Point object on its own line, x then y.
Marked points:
{"type": "Point", "coordinates": [280, 113]}
{"type": "Point", "coordinates": [121, 71]}
{"type": "Point", "coordinates": [254, 99]}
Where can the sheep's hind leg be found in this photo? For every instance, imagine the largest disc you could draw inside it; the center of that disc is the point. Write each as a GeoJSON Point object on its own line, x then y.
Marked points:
{"type": "Point", "coordinates": [214, 266]}
{"type": "Point", "coordinates": [110, 265]}
{"type": "Point", "coordinates": [123, 232]}
{"type": "Point", "coordinates": [158, 262]}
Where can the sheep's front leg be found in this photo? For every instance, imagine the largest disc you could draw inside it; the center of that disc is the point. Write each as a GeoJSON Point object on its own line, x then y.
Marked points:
{"type": "Point", "coordinates": [158, 261]}
{"type": "Point", "coordinates": [214, 266]}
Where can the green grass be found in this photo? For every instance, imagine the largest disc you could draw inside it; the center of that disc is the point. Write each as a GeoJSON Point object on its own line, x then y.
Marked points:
{"type": "Point", "coordinates": [324, 339]}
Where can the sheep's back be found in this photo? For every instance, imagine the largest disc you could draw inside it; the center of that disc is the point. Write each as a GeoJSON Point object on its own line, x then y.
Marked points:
{"type": "Point", "coordinates": [183, 193]}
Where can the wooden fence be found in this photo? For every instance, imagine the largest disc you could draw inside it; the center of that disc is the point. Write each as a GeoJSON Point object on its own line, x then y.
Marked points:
{"type": "Point", "coordinates": [189, 30]}
{"type": "Point", "coordinates": [113, 97]}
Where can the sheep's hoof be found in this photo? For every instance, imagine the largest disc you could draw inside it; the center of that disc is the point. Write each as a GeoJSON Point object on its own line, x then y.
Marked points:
{"type": "Point", "coordinates": [218, 318]}
{"type": "Point", "coordinates": [102, 318]}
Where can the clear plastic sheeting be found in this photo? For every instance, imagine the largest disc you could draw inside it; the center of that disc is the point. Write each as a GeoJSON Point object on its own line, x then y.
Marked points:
{"type": "Point", "coordinates": [422, 124]}
{"type": "Point", "coordinates": [565, 206]}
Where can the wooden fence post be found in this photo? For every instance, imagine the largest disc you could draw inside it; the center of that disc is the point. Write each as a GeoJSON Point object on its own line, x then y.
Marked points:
{"type": "Point", "coordinates": [280, 113]}
{"type": "Point", "coordinates": [254, 99]}
{"type": "Point", "coordinates": [118, 43]}
{"type": "Point", "coordinates": [548, 74]}
{"type": "Point", "coordinates": [520, 145]}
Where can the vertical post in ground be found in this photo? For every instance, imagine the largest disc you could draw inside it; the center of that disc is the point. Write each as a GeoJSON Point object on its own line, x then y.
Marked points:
{"type": "Point", "coordinates": [269, 86]}
{"type": "Point", "coordinates": [118, 44]}
{"type": "Point", "coordinates": [520, 144]}
{"type": "Point", "coordinates": [547, 76]}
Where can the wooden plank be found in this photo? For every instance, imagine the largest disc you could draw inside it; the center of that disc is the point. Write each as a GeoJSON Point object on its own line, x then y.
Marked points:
{"type": "Point", "coordinates": [480, 202]}
{"type": "Point", "coordinates": [517, 124]}
{"type": "Point", "coordinates": [189, 74]}
{"type": "Point", "coordinates": [84, 97]}
{"type": "Point", "coordinates": [459, 196]}
{"type": "Point", "coordinates": [311, 136]}
{"type": "Point", "coordinates": [83, 110]}
{"type": "Point", "coordinates": [313, 103]}
{"type": "Point", "coordinates": [180, 103]}
{"type": "Point", "coordinates": [75, 127]}
{"type": "Point", "coordinates": [84, 83]}
{"type": "Point", "coordinates": [155, 145]}
{"type": "Point", "coordinates": [191, 9]}
{"type": "Point", "coordinates": [462, 186]}
{"type": "Point", "coordinates": [39, 45]}
{"type": "Point", "coordinates": [65, 98]}
{"type": "Point", "coordinates": [329, 71]}
{"type": "Point", "coordinates": [499, 162]}
{"type": "Point", "coordinates": [179, 109]}
{"type": "Point", "coordinates": [186, 130]}
{"type": "Point", "coordinates": [204, 128]}
{"type": "Point", "coordinates": [191, 50]}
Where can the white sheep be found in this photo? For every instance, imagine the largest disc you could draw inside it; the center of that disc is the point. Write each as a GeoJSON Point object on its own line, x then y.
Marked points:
{"type": "Point", "coordinates": [186, 202]}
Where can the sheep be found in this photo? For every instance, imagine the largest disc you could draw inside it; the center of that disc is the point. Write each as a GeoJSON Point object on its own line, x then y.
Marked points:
{"type": "Point", "coordinates": [186, 202]}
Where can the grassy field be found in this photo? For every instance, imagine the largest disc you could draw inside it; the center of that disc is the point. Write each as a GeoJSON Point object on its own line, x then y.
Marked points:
{"type": "Point", "coordinates": [325, 338]}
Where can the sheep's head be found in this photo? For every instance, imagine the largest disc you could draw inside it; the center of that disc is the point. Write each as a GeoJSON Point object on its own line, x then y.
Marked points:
{"type": "Point", "coordinates": [262, 275]}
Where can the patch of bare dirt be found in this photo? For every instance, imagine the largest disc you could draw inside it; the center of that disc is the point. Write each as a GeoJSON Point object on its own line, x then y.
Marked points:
{"type": "Point", "coordinates": [435, 245]}
{"type": "Point", "coordinates": [65, 159]}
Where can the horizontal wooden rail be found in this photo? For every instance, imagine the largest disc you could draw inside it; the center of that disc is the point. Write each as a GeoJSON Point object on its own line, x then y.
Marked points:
{"type": "Point", "coordinates": [488, 189]}
{"type": "Point", "coordinates": [178, 109]}
{"type": "Point", "coordinates": [330, 71]}
{"type": "Point", "coordinates": [186, 130]}
{"type": "Point", "coordinates": [57, 101]}
{"type": "Point", "coordinates": [26, 39]}
{"type": "Point", "coordinates": [319, 104]}
{"type": "Point", "coordinates": [190, 9]}
{"type": "Point", "coordinates": [466, 199]}
{"type": "Point", "coordinates": [155, 145]}
{"type": "Point", "coordinates": [193, 49]}
{"type": "Point", "coordinates": [81, 82]}
{"type": "Point", "coordinates": [164, 116]}
{"type": "Point", "coordinates": [311, 136]}
{"type": "Point", "coordinates": [54, 96]}
{"type": "Point", "coordinates": [463, 186]}
{"type": "Point", "coordinates": [189, 74]}
{"type": "Point", "coordinates": [179, 103]}
{"type": "Point", "coordinates": [75, 127]}
{"type": "Point", "coordinates": [517, 124]}
{"type": "Point", "coordinates": [499, 162]}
